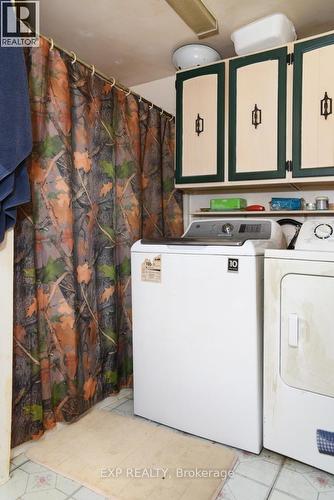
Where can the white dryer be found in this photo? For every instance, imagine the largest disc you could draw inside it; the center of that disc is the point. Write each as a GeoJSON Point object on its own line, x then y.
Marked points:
{"type": "Point", "coordinates": [197, 329]}
{"type": "Point", "coordinates": [299, 347]}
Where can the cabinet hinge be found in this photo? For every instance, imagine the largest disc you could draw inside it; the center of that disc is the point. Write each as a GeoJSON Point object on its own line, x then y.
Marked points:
{"type": "Point", "coordinates": [290, 58]}
{"type": "Point", "coordinates": [288, 166]}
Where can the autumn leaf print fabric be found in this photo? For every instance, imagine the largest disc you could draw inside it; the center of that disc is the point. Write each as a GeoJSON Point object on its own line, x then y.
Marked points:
{"type": "Point", "coordinates": [102, 176]}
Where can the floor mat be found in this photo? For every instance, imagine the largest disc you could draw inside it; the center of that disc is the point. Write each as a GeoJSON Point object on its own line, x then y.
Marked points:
{"type": "Point", "coordinates": [127, 458]}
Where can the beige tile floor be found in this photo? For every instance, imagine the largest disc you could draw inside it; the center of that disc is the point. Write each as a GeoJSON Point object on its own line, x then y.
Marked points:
{"type": "Point", "coordinates": [256, 477]}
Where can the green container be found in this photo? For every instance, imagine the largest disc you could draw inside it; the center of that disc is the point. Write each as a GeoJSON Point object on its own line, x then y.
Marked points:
{"type": "Point", "coordinates": [221, 204]}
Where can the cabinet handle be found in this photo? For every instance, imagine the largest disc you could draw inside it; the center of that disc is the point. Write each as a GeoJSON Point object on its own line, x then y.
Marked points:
{"type": "Point", "coordinates": [199, 124]}
{"type": "Point", "coordinates": [326, 106]}
{"type": "Point", "coordinates": [256, 116]}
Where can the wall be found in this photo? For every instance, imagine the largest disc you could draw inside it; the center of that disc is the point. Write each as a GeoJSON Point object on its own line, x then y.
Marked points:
{"type": "Point", "coordinates": [160, 92]}
{"type": "Point", "coordinates": [198, 201]}
{"type": "Point", "coordinates": [6, 349]}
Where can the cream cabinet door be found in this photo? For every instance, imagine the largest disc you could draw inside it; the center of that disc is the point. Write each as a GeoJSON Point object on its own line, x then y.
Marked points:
{"type": "Point", "coordinates": [200, 125]}
{"type": "Point", "coordinates": [313, 118]}
{"type": "Point", "coordinates": [257, 116]}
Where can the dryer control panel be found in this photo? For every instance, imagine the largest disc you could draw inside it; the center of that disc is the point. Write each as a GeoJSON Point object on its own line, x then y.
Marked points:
{"type": "Point", "coordinates": [316, 234]}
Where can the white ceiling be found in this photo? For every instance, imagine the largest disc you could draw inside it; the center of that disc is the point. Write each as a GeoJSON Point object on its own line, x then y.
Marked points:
{"type": "Point", "coordinates": [132, 40]}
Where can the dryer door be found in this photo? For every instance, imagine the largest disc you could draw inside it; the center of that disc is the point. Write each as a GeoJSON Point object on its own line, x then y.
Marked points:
{"type": "Point", "coordinates": [307, 332]}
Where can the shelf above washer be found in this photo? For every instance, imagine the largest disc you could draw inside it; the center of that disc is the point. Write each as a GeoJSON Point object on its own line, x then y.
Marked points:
{"type": "Point", "coordinates": [264, 213]}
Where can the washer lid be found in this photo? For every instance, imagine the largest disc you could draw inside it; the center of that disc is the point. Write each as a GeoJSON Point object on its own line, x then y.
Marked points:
{"type": "Point", "coordinates": [237, 236]}
{"type": "Point", "coordinates": [221, 232]}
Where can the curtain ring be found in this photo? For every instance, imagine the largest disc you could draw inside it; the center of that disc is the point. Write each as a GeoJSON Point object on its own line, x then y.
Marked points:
{"type": "Point", "coordinates": [74, 57]}
{"type": "Point", "coordinates": [127, 93]}
{"type": "Point", "coordinates": [93, 70]}
{"type": "Point", "coordinates": [113, 82]}
{"type": "Point", "coordinates": [51, 44]}
{"type": "Point", "coordinates": [161, 112]}
{"type": "Point", "coordinates": [151, 106]}
{"type": "Point", "coordinates": [171, 118]}
{"type": "Point", "coordinates": [140, 99]}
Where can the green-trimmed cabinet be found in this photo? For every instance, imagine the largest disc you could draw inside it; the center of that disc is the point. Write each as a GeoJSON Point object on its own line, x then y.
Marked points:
{"type": "Point", "coordinates": [200, 111]}
{"type": "Point", "coordinates": [313, 108]}
{"type": "Point", "coordinates": [257, 116]}
{"type": "Point", "coordinates": [278, 123]}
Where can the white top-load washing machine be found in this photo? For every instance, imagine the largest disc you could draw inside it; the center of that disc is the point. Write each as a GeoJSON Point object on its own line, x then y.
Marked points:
{"type": "Point", "coordinates": [299, 347]}
{"type": "Point", "coordinates": [197, 329]}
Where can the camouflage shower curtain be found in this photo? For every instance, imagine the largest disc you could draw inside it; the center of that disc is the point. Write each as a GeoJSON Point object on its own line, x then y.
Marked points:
{"type": "Point", "coordinates": [101, 173]}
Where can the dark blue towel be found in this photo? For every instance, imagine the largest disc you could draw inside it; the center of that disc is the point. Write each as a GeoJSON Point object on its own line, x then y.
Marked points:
{"type": "Point", "coordinates": [15, 135]}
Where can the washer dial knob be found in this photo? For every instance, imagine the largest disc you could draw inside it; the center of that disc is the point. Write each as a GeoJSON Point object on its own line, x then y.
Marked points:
{"type": "Point", "coordinates": [323, 231]}
{"type": "Point", "coordinates": [227, 228]}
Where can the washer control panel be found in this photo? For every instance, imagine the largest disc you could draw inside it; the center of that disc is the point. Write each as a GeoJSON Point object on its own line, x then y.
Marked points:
{"type": "Point", "coordinates": [316, 234]}
{"type": "Point", "coordinates": [235, 229]}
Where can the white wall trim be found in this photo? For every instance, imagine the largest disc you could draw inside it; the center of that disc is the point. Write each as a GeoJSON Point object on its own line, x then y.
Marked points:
{"type": "Point", "coordinates": [6, 351]}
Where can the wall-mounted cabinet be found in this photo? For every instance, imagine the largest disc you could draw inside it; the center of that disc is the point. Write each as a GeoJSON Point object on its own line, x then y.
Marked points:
{"type": "Point", "coordinates": [257, 116]}
{"type": "Point", "coordinates": [278, 111]}
{"type": "Point", "coordinates": [313, 118]}
{"type": "Point", "coordinates": [200, 112]}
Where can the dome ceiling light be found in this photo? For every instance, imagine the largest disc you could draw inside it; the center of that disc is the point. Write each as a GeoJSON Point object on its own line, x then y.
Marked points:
{"type": "Point", "coordinates": [194, 54]}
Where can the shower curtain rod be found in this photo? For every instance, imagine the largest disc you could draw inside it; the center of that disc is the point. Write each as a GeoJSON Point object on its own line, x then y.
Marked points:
{"type": "Point", "coordinates": [104, 77]}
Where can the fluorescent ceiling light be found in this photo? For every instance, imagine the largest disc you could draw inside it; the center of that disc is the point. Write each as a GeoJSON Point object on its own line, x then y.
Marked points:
{"type": "Point", "coordinates": [196, 15]}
